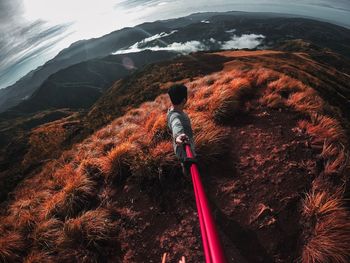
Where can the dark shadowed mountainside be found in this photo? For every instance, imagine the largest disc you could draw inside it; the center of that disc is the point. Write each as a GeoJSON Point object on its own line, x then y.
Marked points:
{"type": "Point", "coordinates": [80, 85]}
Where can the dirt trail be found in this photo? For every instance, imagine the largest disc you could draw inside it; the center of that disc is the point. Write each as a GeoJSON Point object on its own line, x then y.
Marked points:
{"type": "Point", "coordinates": [255, 196]}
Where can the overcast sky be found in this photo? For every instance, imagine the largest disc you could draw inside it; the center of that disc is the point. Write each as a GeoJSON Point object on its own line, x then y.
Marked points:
{"type": "Point", "coordinates": [34, 31]}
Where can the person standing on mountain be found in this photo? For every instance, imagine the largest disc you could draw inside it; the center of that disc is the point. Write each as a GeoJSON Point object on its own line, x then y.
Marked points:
{"type": "Point", "coordinates": [179, 123]}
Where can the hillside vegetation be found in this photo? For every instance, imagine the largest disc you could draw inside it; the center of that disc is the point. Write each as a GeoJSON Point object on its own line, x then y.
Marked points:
{"type": "Point", "coordinates": [271, 131]}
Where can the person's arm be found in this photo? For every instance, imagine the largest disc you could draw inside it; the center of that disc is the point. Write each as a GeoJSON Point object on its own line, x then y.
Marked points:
{"type": "Point", "coordinates": [178, 130]}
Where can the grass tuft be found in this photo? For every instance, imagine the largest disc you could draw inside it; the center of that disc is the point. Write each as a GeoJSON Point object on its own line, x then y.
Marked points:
{"type": "Point", "coordinates": [78, 194]}
{"type": "Point", "coordinates": [94, 229]}
{"type": "Point", "coordinates": [12, 247]}
{"type": "Point", "coordinates": [330, 237]}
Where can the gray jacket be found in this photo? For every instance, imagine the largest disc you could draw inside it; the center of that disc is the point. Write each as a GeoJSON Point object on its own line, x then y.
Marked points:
{"type": "Point", "coordinates": [178, 123]}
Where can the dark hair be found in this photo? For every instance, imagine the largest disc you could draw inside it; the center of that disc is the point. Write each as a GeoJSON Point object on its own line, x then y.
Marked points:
{"type": "Point", "coordinates": [177, 93]}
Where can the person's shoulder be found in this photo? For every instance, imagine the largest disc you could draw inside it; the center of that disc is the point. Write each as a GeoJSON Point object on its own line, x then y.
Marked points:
{"type": "Point", "coordinates": [169, 112]}
{"type": "Point", "coordinates": [172, 114]}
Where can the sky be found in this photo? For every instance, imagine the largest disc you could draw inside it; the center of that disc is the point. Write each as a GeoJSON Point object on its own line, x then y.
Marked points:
{"type": "Point", "coordinates": [34, 31]}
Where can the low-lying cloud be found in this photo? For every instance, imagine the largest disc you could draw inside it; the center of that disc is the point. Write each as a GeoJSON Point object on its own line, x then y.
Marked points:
{"type": "Point", "coordinates": [155, 37]}
{"type": "Point", "coordinates": [236, 42]}
{"type": "Point", "coordinates": [185, 48]}
{"type": "Point", "coordinates": [243, 41]}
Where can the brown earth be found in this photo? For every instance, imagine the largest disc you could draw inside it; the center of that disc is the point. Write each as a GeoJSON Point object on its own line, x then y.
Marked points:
{"type": "Point", "coordinates": [255, 196]}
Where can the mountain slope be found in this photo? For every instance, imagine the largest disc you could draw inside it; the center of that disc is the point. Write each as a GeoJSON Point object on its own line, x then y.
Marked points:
{"type": "Point", "coordinates": [272, 139]}
{"type": "Point", "coordinates": [80, 85]}
{"type": "Point", "coordinates": [25, 146]}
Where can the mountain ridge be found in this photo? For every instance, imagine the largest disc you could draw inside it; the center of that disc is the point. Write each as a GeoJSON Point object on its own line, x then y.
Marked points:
{"type": "Point", "coordinates": [122, 38]}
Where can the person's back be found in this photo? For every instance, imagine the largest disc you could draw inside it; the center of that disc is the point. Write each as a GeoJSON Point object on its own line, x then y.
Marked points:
{"type": "Point", "coordinates": [179, 123]}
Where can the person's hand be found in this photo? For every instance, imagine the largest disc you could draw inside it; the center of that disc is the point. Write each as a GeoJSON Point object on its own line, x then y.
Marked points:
{"type": "Point", "coordinates": [181, 139]}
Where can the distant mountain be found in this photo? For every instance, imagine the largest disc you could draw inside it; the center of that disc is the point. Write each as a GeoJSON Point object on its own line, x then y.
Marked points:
{"type": "Point", "coordinates": [80, 85]}
{"type": "Point", "coordinates": [211, 30]}
{"type": "Point", "coordinates": [82, 51]}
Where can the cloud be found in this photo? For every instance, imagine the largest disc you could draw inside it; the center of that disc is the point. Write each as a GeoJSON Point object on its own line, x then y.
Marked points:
{"type": "Point", "coordinates": [21, 44]}
{"type": "Point", "coordinates": [185, 48]}
{"type": "Point", "coordinates": [236, 42]}
{"type": "Point", "coordinates": [243, 41]}
{"type": "Point", "coordinates": [137, 3]}
{"type": "Point", "coordinates": [23, 41]}
{"type": "Point", "coordinates": [152, 38]}
{"type": "Point", "coordinates": [231, 30]}
{"type": "Point", "coordinates": [10, 10]}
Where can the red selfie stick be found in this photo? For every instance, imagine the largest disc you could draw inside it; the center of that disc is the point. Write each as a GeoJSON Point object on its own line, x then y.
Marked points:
{"type": "Point", "coordinates": [213, 251]}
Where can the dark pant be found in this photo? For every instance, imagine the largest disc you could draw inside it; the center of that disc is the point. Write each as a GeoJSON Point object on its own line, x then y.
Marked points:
{"type": "Point", "coordinates": [185, 170]}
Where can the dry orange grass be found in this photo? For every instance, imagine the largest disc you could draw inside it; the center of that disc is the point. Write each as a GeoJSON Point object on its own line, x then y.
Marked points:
{"type": "Point", "coordinates": [91, 168]}
{"type": "Point", "coordinates": [156, 127]}
{"type": "Point", "coordinates": [286, 91]}
{"type": "Point", "coordinates": [330, 237]}
{"type": "Point", "coordinates": [164, 152]}
{"type": "Point", "coordinates": [211, 143]}
{"type": "Point", "coordinates": [328, 134]}
{"type": "Point", "coordinates": [39, 257]}
{"type": "Point", "coordinates": [306, 101]}
{"type": "Point", "coordinates": [77, 195]}
{"type": "Point", "coordinates": [44, 140]}
{"type": "Point", "coordinates": [80, 254]}
{"type": "Point", "coordinates": [12, 246]}
{"type": "Point", "coordinates": [94, 229]}
{"type": "Point", "coordinates": [323, 128]}
{"type": "Point", "coordinates": [228, 99]}
{"type": "Point", "coordinates": [22, 214]}
{"type": "Point", "coordinates": [46, 235]}
{"type": "Point", "coordinates": [262, 76]}
{"type": "Point", "coordinates": [61, 175]}
{"type": "Point", "coordinates": [336, 158]}
{"type": "Point", "coordinates": [118, 160]}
